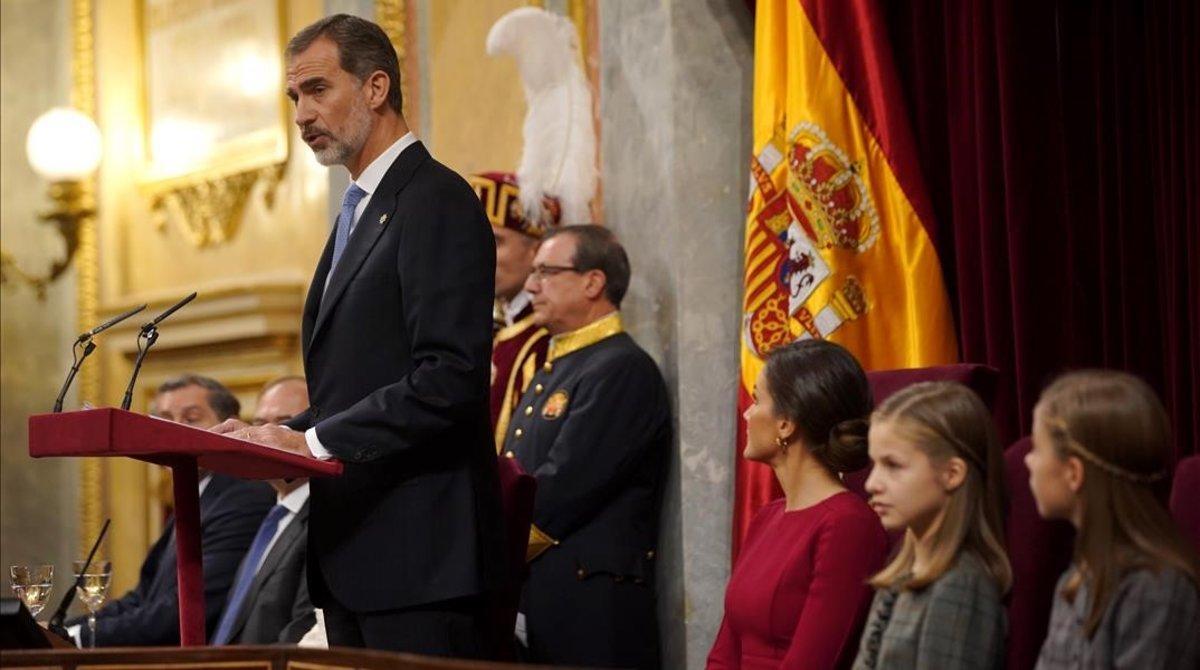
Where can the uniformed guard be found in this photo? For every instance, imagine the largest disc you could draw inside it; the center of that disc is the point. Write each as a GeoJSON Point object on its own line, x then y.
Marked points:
{"type": "Point", "coordinates": [594, 429]}
{"type": "Point", "coordinates": [518, 345]}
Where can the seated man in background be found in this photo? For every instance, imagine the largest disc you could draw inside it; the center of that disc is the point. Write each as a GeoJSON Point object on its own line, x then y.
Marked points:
{"type": "Point", "coordinates": [269, 599]}
{"type": "Point", "coordinates": [230, 513]}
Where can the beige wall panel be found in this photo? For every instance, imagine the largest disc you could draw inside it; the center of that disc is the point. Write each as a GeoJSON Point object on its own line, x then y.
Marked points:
{"type": "Point", "coordinates": [244, 328]}
{"type": "Point", "coordinates": [476, 103]}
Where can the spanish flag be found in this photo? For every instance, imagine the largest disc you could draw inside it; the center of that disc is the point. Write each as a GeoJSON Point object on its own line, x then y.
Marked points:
{"type": "Point", "coordinates": [837, 243]}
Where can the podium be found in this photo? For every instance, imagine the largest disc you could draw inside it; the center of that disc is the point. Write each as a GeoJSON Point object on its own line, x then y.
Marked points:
{"type": "Point", "coordinates": [184, 449]}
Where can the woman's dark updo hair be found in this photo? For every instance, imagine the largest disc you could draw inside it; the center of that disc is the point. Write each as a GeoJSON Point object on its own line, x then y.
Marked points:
{"type": "Point", "coordinates": [820, 387]}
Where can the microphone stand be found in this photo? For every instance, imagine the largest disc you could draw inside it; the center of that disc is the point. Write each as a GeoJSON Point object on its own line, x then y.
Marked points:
{"type": "Point", "coordinates": [150, 334]}
{"type": "Point", "coordinates": [88, 347]}
{"type": "Point", "coordinates": [56, 622]}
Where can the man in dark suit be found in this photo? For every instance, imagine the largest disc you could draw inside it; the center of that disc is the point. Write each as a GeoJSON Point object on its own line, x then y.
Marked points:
{"type": "Point", "coordinates": [230, 512]}
{"type": "Point", "coordinates": [269, 601]}
{"type": "Point", "coordinates": [405, 546]}
{"type": "Point", "coordinates": [594, 429]}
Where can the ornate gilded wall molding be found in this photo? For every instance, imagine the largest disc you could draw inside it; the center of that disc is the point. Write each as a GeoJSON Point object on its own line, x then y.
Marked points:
{"type": "Point", "coordinates": [87, 265]}
{"type": "Point", "coordinates": [209, 211]}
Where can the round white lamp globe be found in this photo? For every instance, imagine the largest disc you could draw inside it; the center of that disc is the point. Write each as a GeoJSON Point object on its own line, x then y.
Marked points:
{"type": "Point", "coordinates": [64, 144]}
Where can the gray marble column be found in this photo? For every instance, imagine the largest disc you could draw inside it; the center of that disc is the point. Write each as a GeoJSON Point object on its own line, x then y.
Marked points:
{"type": "Point", "coordinates": [675, 86]}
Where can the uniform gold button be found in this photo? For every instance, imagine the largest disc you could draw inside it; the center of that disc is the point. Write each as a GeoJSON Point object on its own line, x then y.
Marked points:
{"type": "Point", "coordinates": [519, 433]}
{"type": "Point", "coordinates": [539, 388]}
{"type": "Point", "coordinates": [650, 554]}
{"type": "Point", "coordinates": [547, 367]}
{"type": "Point", "coordinates": [529, 411]}
{"type": "Point", "coordinates": [509, 454]}
{"type": "Point", "coordinates": [581, 573]}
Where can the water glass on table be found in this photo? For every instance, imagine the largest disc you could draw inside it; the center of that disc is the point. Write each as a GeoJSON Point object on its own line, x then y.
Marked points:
{"type": "Point", "coordinates": [32, 584]}
{"type": "Point", "coordinates": [93, 590]}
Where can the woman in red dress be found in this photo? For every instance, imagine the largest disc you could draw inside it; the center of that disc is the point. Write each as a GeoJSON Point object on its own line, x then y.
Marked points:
{"type": "Point", "coordinates": [798, 594]}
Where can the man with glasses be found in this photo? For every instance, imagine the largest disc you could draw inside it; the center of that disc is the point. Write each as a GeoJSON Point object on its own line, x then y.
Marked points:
{"type": "Point", "coordinates": [594, 428]}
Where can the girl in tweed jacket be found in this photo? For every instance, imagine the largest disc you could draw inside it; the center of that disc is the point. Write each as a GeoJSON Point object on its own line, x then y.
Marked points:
{"type": "Point", "coordinates": [938, 477]}
{"type": "Point", "coordinates": [1101, 458]}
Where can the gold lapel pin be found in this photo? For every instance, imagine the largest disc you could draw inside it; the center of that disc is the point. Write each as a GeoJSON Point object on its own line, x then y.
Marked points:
{"type": "Point", "coordinates": [382, 219]}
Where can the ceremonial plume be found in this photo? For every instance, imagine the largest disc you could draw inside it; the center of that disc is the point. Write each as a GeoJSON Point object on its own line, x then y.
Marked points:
{"type": "Point", "coordinates": [559, 159]}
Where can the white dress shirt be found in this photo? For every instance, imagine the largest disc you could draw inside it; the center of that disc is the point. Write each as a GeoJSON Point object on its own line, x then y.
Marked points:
{"type": "Point", "coordinates": [514, 307]}
{"type": "Point", "coordinates": [368, 181]}
{"type": "Point", "coordinates": [293, 502]}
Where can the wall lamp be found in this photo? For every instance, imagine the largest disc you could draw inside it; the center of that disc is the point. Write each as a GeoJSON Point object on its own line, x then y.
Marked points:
{"type": "Point", "coordinates": [64, 147]}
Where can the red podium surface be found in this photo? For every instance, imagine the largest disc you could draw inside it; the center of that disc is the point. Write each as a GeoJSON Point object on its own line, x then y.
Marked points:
{"type": "Point", "coordinates": [115, 432]}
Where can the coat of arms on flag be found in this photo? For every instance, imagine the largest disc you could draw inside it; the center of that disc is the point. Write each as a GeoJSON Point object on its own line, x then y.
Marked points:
{"type": "Point", "coordinates": [823, 205]}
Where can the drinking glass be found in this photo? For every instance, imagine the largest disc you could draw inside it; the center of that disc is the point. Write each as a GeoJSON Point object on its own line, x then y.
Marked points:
{"type": "Point", "coordinates": [92, 590]}
{"type": "Point", "coordinates": [31, 583]}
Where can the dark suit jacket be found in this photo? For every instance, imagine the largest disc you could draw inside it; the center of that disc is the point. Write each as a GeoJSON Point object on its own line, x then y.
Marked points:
{"type": "Point", "coordinates": [595, 431]}
{"type": "Point", "coordinates": [277, 607]}
{"type": "Point", "coordinates": [230, 512]}
{"type": "Point", "coordinates": [397, 358]}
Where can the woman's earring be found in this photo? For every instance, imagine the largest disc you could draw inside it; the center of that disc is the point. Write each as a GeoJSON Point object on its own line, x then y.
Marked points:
{"type": "Point", "coordinates": [782, 444]}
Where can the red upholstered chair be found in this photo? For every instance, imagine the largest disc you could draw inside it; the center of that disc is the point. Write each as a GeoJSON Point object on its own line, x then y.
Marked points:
{"type": "Point", "coordinates": [516, 498]}
{"type": "Point", "coordinates": [1185, 498]}
{"type": "Point", "coordinates": [1039, 551]}
{"type": "Point", "coordinates": [979, 378]}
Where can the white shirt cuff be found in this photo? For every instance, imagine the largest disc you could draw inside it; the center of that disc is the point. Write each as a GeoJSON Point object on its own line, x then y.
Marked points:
{"type": "Point", "coordinates": [314, 445]}
{"type": "Point", "coordinates": [74, 632]}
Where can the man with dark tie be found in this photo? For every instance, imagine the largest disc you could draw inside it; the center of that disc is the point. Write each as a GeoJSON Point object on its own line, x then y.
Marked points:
{"type": "Point", "coordinates": [269, 600]}
{"type": "Point", "coordinates": [230, 512]}
{"type": "Point", "coordinates": [405, 546]}
{"type": "Point", "coordinates": [594, 429]}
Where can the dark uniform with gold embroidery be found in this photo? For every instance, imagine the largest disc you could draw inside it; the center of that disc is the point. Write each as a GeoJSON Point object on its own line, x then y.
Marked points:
{"type": "Point", "coordinates": [594, 428]}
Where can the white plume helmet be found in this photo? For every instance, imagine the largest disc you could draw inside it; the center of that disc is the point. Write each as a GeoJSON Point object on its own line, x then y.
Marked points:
{"type": "Point", "coordinates": [559, 158]}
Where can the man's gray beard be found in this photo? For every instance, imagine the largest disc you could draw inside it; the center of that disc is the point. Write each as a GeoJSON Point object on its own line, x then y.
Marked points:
{"type": "Point", "coordinates": [340, 151]}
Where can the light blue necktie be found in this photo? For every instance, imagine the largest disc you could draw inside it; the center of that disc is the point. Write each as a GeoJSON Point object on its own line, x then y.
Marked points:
{"type": "Point", "coordinates": [245, 575]}
{"type": "Point", "coordinates": [350, 201]}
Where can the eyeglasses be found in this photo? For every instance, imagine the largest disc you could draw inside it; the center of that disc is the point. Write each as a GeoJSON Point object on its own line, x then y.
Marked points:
{"type": "Point", "coordinates": [540, 272]}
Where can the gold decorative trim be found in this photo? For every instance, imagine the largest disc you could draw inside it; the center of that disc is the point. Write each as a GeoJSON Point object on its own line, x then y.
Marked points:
{"type": "Point", "coordinates": [209, 211]}
{"type": "Point", "coordinates": [506, 408]}
{"type": "Point", "coordinates": [87, 267]}
{"type": "Point", "coordinates": [539, 542]}
{"type": "Point", "coordinates": [596, 331]}
{"type": "Point", "coordinates": [392, 16]}
{"type": "Point", "coordinates": [508, 332]}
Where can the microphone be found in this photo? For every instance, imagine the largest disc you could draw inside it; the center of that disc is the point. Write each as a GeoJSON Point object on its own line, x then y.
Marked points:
{"type": "Point", "coordinates": [108, 324]}
{"type": "Point", "coordinates": [88, 347]}
{"type": "Point", "coordinates": [56, 621]}
{"type": "Point", "coordinates": [149, 331]}
{"type": "Point", "coordinates": [170, 310]}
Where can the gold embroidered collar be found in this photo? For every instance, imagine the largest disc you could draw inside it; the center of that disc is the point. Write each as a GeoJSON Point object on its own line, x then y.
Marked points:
{"type": "Point", "coordinates": [509, 332]}
{"type": "Point", "coordinates": [600, 329]}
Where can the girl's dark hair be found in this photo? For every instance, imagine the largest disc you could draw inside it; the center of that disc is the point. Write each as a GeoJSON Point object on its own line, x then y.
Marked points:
{"type": "Point", "coordinates": [821, 388]}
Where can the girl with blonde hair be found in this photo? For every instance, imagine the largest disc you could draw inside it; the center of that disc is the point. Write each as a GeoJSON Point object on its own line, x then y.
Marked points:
{"type": "Point", "coordinates": [938, 477]}
{"type": "Point", "coordinates": [1101, 459]}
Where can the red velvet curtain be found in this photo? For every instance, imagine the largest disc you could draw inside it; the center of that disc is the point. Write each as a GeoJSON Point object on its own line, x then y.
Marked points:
{"type": "Point", "coordinates": [1060, 141]}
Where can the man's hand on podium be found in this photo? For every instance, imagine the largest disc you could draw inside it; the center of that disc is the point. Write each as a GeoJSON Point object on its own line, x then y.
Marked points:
{"type": "Point", "coordinates": [271, 435]}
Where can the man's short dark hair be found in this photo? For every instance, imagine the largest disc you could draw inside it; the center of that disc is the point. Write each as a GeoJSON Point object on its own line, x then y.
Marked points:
{"type": "Point", "coordinates": [363, 48]}
{"type": "Point", "coordinates": [596, 248]}
{"type": "Point", "coordinates": [223, 403]}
